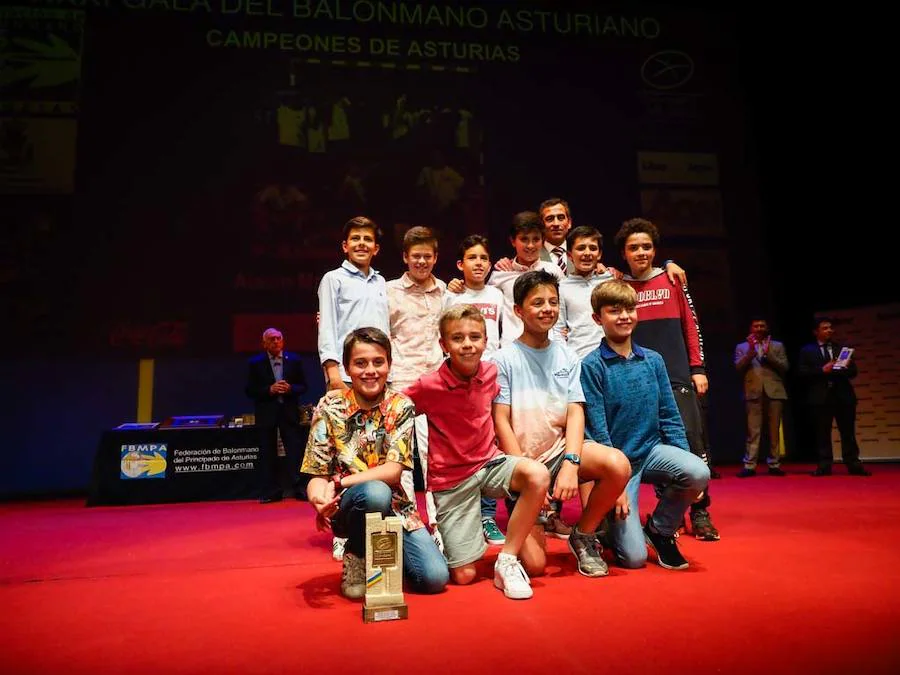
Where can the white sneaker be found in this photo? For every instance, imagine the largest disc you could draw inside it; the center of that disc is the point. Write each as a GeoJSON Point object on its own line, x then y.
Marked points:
{"type": "Point", "coordinates": [337, 548]}
{"type": "Point", "coordinates": [510, 577]}
{"type": "Point", "coordinates": [438, 541]}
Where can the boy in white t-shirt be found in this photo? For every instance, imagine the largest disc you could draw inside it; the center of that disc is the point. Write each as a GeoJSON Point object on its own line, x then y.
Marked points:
{"type": "Point", "coordinates": [475, 264]}
{"type": "Point", "coordinates": [526, 234]}
{"type": "Point", "coordinates": [539, 414]}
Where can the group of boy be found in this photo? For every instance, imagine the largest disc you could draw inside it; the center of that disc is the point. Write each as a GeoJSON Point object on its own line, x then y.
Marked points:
{"type": "Point", "coordinates": [538, 422]}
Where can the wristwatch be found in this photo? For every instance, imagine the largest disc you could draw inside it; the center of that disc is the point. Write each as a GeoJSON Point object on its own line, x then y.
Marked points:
{"type": "Point", "coordinates": [572, 457]}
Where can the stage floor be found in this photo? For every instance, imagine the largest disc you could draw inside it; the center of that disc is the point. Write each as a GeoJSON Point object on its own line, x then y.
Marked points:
{"type": "Point", "coordinates": [804, 580]}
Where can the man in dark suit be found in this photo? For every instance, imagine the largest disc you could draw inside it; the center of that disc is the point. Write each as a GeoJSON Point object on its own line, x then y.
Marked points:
{"type": "Point", "coordinates": [275, 382]}
{"type": "Point", "coordinates": [830, 397]}
{"type": "Point", "coordinates": [762, 363]}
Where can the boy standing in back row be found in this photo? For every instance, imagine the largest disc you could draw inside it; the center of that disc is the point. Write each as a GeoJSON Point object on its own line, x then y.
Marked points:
{"type": "Point", "coordinates": [415, 301]}
{"type": "Point", "coordinates": [576, 327]}
{"type": "Point", "coordinates": [667, 325]}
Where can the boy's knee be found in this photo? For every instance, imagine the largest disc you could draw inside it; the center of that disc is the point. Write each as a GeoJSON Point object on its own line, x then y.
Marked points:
{"type": "Point", "coordinates": [697, 474]}
{"type": "Point", "coordinates": [376, 496]}
{"type": "Point", "coordinates": [463, 575]}
{"type": "Point", "coordinates": [632, 560]}
{"type": "Point", "coordinates": [534, 568]}
{"type": "Point", "coordinates": [536, 475]}
{"type": "Point", "coordinates": [619, 467]}
{"type": "Point", "coordinates": [434, 580]}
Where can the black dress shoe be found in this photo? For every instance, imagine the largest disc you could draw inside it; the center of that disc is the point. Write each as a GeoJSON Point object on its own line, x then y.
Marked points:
{"type": "Point", "coordinates": [858, 470]}
{"type": "Point", "coordinates": [272, 497]}
{"type": "Point", "coordinates": [822, 471]}
{"type": "Point", "coordinates": [746, 473]}
{"type": "Point", "coordinates": [714, 474]}
{"type": "Point", "coordinates": [776, 471]}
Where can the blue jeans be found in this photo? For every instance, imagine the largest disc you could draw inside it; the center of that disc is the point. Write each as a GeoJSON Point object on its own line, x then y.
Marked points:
{"type": "Point", "coordinates": [488, 507]}
{"type": "Point", "coordinates": [424, 568]}
{"type": "Point", "coordinates": [680, 477]}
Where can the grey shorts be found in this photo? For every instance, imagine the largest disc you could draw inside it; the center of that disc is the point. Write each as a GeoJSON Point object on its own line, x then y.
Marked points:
{"type": "Point", "coordinates": [459, 509]}
{"type": "Point", "coordinates": [553, 466]}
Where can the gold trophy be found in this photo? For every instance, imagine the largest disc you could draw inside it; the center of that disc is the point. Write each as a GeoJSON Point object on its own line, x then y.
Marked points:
{"type": "Point", "coordinates": [384, 569]}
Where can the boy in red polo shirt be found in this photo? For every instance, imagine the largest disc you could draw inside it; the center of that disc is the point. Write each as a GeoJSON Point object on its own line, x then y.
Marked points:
{"type": "Point", "coordinates": [465, 461]}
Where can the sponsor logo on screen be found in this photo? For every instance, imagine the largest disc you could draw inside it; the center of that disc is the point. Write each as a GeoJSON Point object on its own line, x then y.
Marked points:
{"type": "Point", "coordinates": [144, 460]}
{"type": "Point", "coordinates": [668, 69]}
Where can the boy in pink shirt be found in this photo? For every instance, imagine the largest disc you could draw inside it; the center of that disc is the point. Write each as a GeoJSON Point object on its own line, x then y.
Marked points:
{"type": "Point", "coordinates": [465, 461]}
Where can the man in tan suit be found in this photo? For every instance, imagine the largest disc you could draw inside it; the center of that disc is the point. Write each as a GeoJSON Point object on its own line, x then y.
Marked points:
{"type": "Point", "coordinates": [763, 363]}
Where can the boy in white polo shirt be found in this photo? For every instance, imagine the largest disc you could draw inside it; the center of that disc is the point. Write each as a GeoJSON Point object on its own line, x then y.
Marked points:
{"type": "Point", "coordinates": [576, 326]}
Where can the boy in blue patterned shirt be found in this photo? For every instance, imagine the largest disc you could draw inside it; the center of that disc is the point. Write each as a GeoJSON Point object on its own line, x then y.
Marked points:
{"type": "Point", "coordinates": [629, 404]}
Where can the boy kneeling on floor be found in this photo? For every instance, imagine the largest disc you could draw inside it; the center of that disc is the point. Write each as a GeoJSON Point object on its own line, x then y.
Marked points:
{"type": "Point", "coordinates": [465, 462]}
{"type": "Point", "coordinates": [360, 441]}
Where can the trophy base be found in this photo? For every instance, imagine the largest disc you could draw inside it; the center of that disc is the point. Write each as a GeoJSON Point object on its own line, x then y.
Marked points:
{"type": "Point", "coordinates": [385, 613]}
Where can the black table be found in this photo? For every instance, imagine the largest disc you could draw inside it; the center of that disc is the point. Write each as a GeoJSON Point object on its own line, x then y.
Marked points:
{"type": "Point", "coordinates": [176, 465]}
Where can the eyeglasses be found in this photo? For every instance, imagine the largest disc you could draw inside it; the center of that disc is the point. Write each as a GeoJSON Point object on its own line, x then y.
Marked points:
{"type": "Point", "coordinates": [550, 217]}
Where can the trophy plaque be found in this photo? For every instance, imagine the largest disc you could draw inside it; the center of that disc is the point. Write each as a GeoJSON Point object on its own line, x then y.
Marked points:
{"type": "Point", "coordinates": [384, 569]}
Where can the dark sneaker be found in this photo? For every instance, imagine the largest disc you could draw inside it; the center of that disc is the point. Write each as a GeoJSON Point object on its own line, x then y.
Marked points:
{"type": "Point", "coordinates": [492, 533]}
{"type": "Point", "coordinates": [667, 553]}
{"type": "Point", "coordinates": [702, 527]}
{"type": "Point", "coordinates": [555, 527]}
{"type": "Point", "coordinates": [821, 471]}
{"type": "Point", "coordinates": [746, 473]}
{"type": "Point", "coordinates": [776, 471]}
{"type": "Point", "coordinates": [353, 578]}
{"type": "Point", "coordinates": [587, 552]}
{"type": "Point", "coordinates": [858, 470]}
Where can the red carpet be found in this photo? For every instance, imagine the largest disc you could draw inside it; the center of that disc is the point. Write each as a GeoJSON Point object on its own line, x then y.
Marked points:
{"type": "Point", "coordinates": [804, 580]}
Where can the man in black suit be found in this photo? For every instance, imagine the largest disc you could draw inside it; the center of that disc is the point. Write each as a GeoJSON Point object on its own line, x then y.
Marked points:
{"type": "Point", "coordinates": [831, 398]}
{"type": "Point", "coordinates": [275, 382]}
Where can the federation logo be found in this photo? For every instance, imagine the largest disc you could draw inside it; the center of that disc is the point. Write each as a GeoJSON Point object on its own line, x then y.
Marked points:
{"type": "Point", "coordinates": [668, 69]}
{"type": "Point", "coordinates": [145, 460]}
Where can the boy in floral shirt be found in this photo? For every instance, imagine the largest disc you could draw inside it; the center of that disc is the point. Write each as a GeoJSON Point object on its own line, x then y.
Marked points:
{"type": "Point", "coordinates": [359, 444]}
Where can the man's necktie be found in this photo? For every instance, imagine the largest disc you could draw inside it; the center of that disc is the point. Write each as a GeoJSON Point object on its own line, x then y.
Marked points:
{"type": "Point", "coordinates": [560, 254]}
{"type": "Point", "coordinates": [826, 352]}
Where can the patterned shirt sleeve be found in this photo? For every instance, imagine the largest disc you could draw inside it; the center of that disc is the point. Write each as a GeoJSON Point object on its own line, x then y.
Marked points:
{"type": "Point", "coordinates": [399, 426]}
{"type": "Point", "coordinates": [319, 457]}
